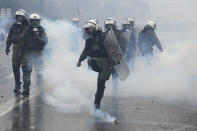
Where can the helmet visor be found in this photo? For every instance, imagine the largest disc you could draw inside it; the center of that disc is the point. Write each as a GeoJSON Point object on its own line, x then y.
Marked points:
{"type": "Point", "coordinates": [19, 17]}
{"type": "Point", "coordinates": [35, 22]}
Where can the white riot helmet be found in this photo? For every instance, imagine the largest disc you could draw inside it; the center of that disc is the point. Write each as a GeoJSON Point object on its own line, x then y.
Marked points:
{"type": "Point", "coordinates": [88, 29]}
{"type": "Point", "coordinates": [20, 16]}
{"type": "Point", "coordinates": [23, 11]}
{"type": "Point", "coordinates": [90, 24]}
{"type": "Point", "coordinates": [152, 24]}
{"type": "Point", "coordinates": [34, 19]}
{"type": "Point", "coordinates": [20, 13]}
{"type": "Point", "coordinates": [110, 21]}
{"type": "Point", "coordinates": [131, 20]}
{"type": "Point", "coordinates": [94, 19]}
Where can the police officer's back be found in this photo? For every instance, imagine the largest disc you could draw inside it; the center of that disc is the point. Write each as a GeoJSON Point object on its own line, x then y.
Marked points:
{"type": "Point", "coordinates": [148, 38]}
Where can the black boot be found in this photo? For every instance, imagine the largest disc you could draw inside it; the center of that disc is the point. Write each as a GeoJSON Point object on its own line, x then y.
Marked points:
{"type": "Point", "coordinates": [99, 93]}
{"type": "Point", "coordinates": [17, 89]}
{"type": "Point", "coordinates": [25, 92]}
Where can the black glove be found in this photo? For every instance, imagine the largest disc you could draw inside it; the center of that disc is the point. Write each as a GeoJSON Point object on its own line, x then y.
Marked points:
{"type": "Point", "coordinates": [7, 51]}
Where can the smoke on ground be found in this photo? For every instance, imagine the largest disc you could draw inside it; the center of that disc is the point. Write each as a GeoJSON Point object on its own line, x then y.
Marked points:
{"type": "Point", "coordinates": [171, 77]}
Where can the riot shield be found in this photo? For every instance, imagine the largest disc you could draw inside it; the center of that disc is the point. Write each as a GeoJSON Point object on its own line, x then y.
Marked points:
{"type": "Point", "coordinates": [115, 55]}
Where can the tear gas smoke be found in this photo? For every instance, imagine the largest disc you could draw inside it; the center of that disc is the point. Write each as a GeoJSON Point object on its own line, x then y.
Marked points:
{"type": "Point", "coordinates": [103, 116]}
{"type": "Point", "coordinates": [172, 75]}
{"type": "Point", "coordinates": [62, 79]}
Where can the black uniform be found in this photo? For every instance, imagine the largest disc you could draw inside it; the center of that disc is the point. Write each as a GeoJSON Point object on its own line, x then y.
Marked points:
{"type": "Point", "coordinates": [94, 48]}
{"type": "Point", "coordinates": [35, 40]}
{"type": "Point", "coordinates": [15, 38]}
{"type": "Point", "coordinates": [147, 39]}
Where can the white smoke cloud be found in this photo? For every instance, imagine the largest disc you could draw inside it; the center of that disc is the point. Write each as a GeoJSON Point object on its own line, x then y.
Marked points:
{"type": "Point", "coordinates": [60, 74]}
{"type": "Point", "coordinates": [171, 77]}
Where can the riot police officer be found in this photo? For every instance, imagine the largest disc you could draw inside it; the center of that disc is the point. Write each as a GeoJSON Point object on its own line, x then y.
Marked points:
{"type": "Point", "coordinates": [15, 38]}
{"type": "Point", "coordinates": [131, 51]}
{"type": "Point", "coordinates": [35, 39]}
{"type": "Point", "coordinates": [147, 39]}
{"type": "Point", "coordinates": [109, 24]}
{"type": "Point", "coordinates": [99, 62]}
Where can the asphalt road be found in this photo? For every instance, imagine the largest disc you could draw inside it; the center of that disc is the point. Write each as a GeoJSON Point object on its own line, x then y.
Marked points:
{"type": "Point", "coordinates": [132, 113]}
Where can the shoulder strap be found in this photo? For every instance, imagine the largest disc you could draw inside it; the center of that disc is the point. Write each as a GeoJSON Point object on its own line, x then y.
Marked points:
{"type": "Point", "coordinates": [24, 31]}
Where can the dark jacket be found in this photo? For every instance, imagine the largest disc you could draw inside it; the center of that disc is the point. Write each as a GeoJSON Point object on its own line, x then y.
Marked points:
{"type": "Point", "coordinates": [147, 39]}
{"type": "Point", "coordinates": [94, 47]}
{"type": "Point", "coordinates": [35, 40]}
{"type": "Point", "coordinates": [15, 34]}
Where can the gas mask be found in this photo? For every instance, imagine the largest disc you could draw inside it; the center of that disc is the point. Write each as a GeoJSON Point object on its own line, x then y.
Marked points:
{"type": "Point", "coordinates": [34, 23]}
{"type": "Point", "coordinates": [126, 27]}
{"type": "Point", "coordinates": [19, 23]}
{"type": "Point", "coordinates": [109, 27]}
{"type": "Point", "coordinates": [19, 20]}
{"type": "Point", "coordinates": [35, 31]}
{"type": "Point", "coordinates": [88, 33]}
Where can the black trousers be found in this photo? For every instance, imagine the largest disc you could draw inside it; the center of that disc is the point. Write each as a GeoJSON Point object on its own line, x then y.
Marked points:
{"type": "Point", "coordinates": [100, 92]}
